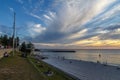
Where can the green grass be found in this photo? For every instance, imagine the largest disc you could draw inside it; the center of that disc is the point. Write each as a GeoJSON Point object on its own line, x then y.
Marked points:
{"type": "Point", "coordinates": [43, 67]}
{"type": "Point", "coordinates": [18, 68]}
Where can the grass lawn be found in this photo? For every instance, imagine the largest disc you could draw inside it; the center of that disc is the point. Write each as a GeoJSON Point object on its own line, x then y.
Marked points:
{"type": "Point", "coordinates": [18, 68]}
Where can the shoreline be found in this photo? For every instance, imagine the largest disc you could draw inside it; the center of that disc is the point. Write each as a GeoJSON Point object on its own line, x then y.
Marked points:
{"type": "Point", "coordinates": [84, 70]}
{"type": "Point", "coordinates": [72, 76]}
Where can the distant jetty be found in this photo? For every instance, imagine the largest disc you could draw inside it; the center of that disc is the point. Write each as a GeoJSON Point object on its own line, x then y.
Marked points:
{"type": "Point", "coordinates": [63, 51]}
{"type": "Point", "coordinates": [55, 50]}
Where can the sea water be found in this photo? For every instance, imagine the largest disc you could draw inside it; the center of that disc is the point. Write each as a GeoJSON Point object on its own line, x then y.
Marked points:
{"type": "Point", "coordinates": [104, 56]}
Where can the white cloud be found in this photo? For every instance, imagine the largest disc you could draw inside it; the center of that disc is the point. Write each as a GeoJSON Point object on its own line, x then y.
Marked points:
{"type": "Point", "coordinates": [35, 29]}
{"type": "Point", "coordinates": [52, 14]}
{"type": "Point", "coordinates": [74, 13]}
{"type": "Point", "coordinates": [77, 13]}
{"type": "Point", "coordinates": [20, 1]}
{"type": "Point", "coordinates": [78, 34]}
{"type": "Point", "coordinates": [111, 13]}
{"type": "Point", "coordinates": [47, 17]}
{"type": "Point", "coordinates": [36, 16]}
{"type": "Point", "coordinates": [38, 28]}
{"type": "Point", "coordinates": [11, 9]}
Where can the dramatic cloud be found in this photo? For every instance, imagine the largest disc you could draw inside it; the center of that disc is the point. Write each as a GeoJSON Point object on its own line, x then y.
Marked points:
{"type": "Point", "coordinates": [76, 20]}
{"type": "Point", "coordinates": [71, 22]}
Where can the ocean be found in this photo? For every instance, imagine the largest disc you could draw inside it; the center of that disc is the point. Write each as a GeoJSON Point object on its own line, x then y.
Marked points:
{"type": "Point", "coordinates": [104, 56]}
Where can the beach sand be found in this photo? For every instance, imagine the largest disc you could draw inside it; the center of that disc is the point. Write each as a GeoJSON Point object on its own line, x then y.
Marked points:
{"type": "Point", "coordinates": [85, 70]}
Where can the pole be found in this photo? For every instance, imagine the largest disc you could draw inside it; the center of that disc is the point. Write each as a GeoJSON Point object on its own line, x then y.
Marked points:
{"type": "Point", "coordinates": [14, 34]}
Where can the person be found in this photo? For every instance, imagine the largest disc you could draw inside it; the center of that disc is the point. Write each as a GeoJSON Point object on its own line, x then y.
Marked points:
{"type": "Point", "coordinates": [63, 58]}
{"type": "Point", "coordinates": [70, 61]}
{"type": "Point", "coordinates": [99, 55]}
{"type": "Point", "coordinates": [5, 54]}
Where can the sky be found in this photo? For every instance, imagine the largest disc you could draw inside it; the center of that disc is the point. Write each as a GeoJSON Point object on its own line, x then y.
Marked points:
{"type": "Point", "coordinates": [63, 23]}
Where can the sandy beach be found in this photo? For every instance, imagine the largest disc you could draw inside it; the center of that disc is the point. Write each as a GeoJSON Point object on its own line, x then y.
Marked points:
{"type": "Point", "coordinates": [85, 70]}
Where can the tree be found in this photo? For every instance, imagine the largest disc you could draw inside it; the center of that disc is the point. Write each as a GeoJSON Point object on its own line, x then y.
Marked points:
{"type": "Point", "coordinates": [23, 47]}
{"type": "Point", "coordinates": [1, 39]}
{"type": "Point", "coordinates": [30, 47]}
{"type": "Point", "coordinates": [26, 48]}
{"type": "Point", "coordinates": [5, 40]}
{"type": "Point", "coordinates": [8, 41]}
{"type": "Point", "coordinates": [17, 42]}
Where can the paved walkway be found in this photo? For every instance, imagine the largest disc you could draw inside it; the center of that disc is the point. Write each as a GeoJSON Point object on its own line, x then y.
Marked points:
{"type": "Point", "coordinates": [86, 70]}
